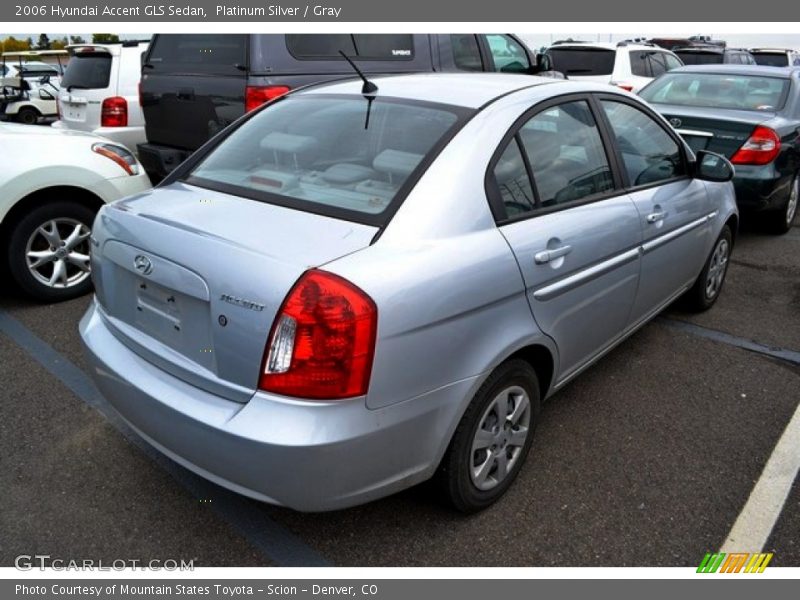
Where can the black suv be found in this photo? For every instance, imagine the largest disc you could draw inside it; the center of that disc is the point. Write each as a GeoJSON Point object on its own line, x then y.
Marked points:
{"type": "Point", "coordinates": [194, 85]}
{"type": "Point", "coordinates": [714, 55]}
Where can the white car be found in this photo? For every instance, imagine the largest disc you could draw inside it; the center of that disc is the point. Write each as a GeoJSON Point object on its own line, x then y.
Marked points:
{"type": "Point", "coordinates": [628, 65]}
{"type": "Point", "coordinates": [100, 92]}
{"type": "Point", "coordinates": [51, 186]}
{"type": "Point", "coordinates": [29, 88]}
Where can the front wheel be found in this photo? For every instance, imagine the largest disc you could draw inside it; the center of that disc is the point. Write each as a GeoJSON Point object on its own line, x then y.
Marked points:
{"type": "Point", "coordinates": [706, 289]}
{"type": "Point", "coordinates": [28, 116]}
{"type": "Point", "coordinates": [492, 439]}
{"type": "Point", "coordinates": [48, 251]}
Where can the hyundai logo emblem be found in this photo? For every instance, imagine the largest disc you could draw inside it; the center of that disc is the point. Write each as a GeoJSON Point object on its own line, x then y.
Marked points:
{"type": "Point", "coordinates": [675, 122]}
{"type": "Point", "coordinates": [143, 264]}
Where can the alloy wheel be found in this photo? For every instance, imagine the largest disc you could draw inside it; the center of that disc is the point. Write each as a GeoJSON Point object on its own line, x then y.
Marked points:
{"type": "Point", "coordinates": [500, 437]}
{"type": "Point", "coordinates": [57, 253]}
{"type": "Point", "coordinates": [718, 265]}
{"type": "Point", "coordinates": [791, 205]}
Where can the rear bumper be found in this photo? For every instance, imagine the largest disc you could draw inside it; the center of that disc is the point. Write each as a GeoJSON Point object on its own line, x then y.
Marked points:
{"type": "Point", "coordinates": [760, 188]}
{"type": "Point", "coordinates": [158, 160]}
{"type": "Point", "coordinates": [309, 456]}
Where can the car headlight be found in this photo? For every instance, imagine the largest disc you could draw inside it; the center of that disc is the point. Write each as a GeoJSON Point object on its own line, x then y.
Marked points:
{"type": "Point", "coordinates": [123, 157]}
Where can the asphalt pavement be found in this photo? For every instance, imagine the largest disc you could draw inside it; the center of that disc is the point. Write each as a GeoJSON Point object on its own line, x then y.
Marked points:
{"type": "Point", "coordinates": [646, 459]}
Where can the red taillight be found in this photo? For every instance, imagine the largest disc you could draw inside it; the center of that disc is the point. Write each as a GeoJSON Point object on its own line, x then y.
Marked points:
{"type": "Point", "coordinates": [761, 148]}
{"type": "Point", "coordinates": [256, 95]}
{"type": "Point", "coordinates": [114, 112]}
{"type": "Point", "coordinates": [322, 341]}
{"type": "Point", "coordinates": [628, 87]}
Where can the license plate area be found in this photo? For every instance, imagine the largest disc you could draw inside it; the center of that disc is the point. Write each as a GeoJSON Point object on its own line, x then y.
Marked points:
{"type": "Point", "coordinates": [158, 311]}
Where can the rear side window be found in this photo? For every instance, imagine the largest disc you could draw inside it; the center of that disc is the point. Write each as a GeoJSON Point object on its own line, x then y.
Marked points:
{"type": "Point", "coordinates": [316, 153]}
{"type": "Point", "coordinates": [466, 53]}
{"type": "Point", "coordinates": [769, 59]}
{"type": "Point", "coordinates": [206, 54]}
{"type": "Point", "coordinates": [364, 46]}
{"type": "Point", "coordinates": [701, 58]}
{"type": "Point", "coordinates": [648, 152]}
{"type": "Point", "coordinates": [583, 61]}
{"type": "Point", "coordinates": [87, 71]}
{"type": "Point", "coordinates": [513, 181]}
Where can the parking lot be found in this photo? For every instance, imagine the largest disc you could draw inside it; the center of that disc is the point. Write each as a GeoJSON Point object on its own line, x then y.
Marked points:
{"type": "Point", "coordinates": [645, 460]}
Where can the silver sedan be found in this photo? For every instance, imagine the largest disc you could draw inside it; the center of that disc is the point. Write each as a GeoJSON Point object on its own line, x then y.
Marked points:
{"type": "Point", "coordinates": [352, 290]}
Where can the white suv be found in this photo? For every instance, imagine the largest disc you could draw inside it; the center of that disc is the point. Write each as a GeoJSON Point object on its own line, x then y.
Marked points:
{"type": "Point", "coordinates": [100, 92]}
{"type": "Point", "coordinates": [628, 65]}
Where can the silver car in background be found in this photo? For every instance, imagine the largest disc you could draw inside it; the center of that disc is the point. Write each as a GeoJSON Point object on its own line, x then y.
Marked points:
{"type": "Point", "coordinates": [351, 291]}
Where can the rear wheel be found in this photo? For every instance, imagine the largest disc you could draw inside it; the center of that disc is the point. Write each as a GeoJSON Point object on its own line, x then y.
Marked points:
{"type": "Point", "coordinates": [492, 439]}
{"type": "Point", "coordinates": [28, 115]}
{"type": "Point", "coordinates": [706, 289]}
{"type": "Point", "coordinates": [781, 221]}
{"type": "Point", "coordinates": [48, 251]}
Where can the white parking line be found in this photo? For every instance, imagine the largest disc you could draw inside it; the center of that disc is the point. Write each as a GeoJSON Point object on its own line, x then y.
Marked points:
{"type": "Point", "coordinates": [759, 515]}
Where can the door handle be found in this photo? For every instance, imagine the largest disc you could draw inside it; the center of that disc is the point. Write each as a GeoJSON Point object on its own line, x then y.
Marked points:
{"type": "Point", "coordinates": [545, 256]}
{"type": "Point", "coordinates": [656, 216]}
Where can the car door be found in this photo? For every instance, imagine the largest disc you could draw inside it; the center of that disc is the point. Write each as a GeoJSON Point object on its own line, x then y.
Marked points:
{"type": "Point", "coordinates": [573, 230]}
{"type": "Point", "coordinates": [672, 206]}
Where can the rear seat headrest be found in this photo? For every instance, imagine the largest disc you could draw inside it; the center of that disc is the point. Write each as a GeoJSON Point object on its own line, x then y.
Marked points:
{"type": "Point", "coordinates": [397, 162]}
{"type": "Point", "coordinates": [287, 142]}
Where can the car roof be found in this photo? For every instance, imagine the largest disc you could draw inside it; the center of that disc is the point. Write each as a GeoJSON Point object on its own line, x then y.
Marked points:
{"type": "Point", "coordinates": [784, 72]}
{"type": "Point", "coordinates": [470, 90]}
{"type": "Point", "coordinates": [770, 50]}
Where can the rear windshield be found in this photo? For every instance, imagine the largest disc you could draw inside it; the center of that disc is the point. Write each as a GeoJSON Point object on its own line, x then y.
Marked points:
{"type": "Point", "coordinates": [771, 59]}
{"type": "Point", "coordinates": [740, 92]}
{"type": "Point", "coordinates": [700, 58]}
{"type": "Point", "coordinates": [203, 54]}
{"type": "Point", "coordinates": [364, 46]}
{"type": "Point", "coordinates": [317, 153]}
{"type": "Point", "coordinates": [87, 71]}
{"type": "Point", "coordinates": [583, 61]}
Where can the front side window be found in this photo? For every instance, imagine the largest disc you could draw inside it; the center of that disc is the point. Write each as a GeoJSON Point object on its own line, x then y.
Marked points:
{"type": "Point", "coordinates": [566, 154]}
{"type": "Point", "coordinates": [649, 154]}
{"type": "Point", "coordinates": [466, 53]}
{"type": "Point", "coordinates": [509, 56]}
{"type": "Point", "coordinates": [317, 153]}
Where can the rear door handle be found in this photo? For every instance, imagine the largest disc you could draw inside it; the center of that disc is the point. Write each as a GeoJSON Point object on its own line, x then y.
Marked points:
{"type": "Point", "coordinates": [656, 216]}
{"type": "Point", "coordinates": [545, 256]}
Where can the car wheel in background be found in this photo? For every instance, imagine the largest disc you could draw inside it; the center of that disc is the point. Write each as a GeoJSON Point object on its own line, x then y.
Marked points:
{"type": "Point", "coordinates": [781, 221]}
{"type": "Point", "coordinates": [28, 116]}
{"type": "Point", "coordinates": [492, 439]}
{"type": "Point", "coordinates": [706, 289]}
{"type": "Point", "coordinates": [48, 251]}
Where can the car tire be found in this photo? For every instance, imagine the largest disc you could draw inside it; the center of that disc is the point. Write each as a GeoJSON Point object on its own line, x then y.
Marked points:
{"type": "Point", "coordinates": [28, 116]}
{"type": "Point", "coordinates": [37, 236]}
{"type": "Point", "coordinates": [705, 291]}
{"type": "Point", "coordinates": [781, 221]}
{"type": "Point", "coordinates": [487, 450]}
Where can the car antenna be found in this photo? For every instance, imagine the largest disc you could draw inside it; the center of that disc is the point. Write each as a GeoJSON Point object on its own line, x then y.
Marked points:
{"type": "Point", "coordinates": [369, 89]}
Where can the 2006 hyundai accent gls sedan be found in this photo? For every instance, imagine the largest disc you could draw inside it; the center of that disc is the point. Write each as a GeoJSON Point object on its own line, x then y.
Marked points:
{"type": "Point", "coordinates": [353, 290]}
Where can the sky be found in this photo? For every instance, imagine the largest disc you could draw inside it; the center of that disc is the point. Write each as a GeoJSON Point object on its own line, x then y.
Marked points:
{"type": "Point", "coordinates": [536, 40]}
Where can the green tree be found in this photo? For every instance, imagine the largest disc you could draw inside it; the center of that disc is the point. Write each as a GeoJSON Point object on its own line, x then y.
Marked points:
{"type": "Point", "coordinates": [59, 44]}
{"type": "Point", "coordinates": [105, 38]}
{"type": "Point", "coordinates": [76, 39]}
{"type": "Point", "coordinates": [43, 43]}
{"type": "Point", "coordinates": [12, 44]}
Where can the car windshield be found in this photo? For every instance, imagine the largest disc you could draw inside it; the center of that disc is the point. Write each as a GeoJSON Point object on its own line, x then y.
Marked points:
{"type": "Point", "coordinates": [583, 61]}
{"type": "Point", "coordinates": [713, 90]}
{"type": "Point", "coordinates": [317, 153]}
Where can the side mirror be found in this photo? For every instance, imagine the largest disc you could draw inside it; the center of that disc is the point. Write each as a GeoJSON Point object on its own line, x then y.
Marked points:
{"type": "Point", "coordinates": [45, 95]}
{"type": "Point", "coordinates": [713, 167]}
{"type": "Point", "coordinates": [543, 62]}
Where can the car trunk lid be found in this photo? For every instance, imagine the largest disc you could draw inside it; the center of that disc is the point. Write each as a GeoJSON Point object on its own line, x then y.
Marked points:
{"type": "Point", "coordinates": [724, 132]}
{"type": "Point", "coordinates": [192, 279]}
